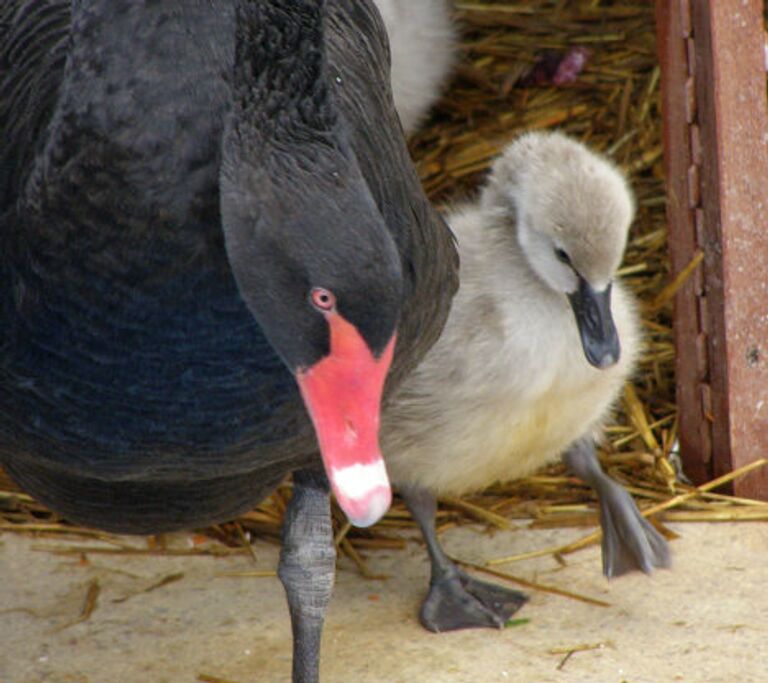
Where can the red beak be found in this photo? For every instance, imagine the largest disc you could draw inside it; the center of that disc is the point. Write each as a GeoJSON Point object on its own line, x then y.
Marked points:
{"type": "Point", "coordinates": [342, 393]}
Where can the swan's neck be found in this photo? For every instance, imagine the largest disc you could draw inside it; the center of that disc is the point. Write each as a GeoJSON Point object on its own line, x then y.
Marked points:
{"type": "Point", "coordinates": [285, 154]}
{"type": "Point", "coordinates": [280, 88]}
{"type": "Point", "coordinates": [282, 137]}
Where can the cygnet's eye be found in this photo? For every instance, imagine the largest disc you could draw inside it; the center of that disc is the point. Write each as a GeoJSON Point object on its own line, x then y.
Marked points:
{"type": "Point", "coordinates": [322, 299]}
{"type": "Point", "coordinates": [562, 256]}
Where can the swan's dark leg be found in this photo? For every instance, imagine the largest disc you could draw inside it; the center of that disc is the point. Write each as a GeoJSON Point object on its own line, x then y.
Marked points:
{"type": "Point", "coordinates": [307, 568]}
{"type": "Point", "coordinates": [629, 541]}
{"type": "Point", "coordinates": [456, 600]}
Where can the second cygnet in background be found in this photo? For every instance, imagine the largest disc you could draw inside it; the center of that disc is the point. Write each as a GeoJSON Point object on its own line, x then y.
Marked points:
{"type": "Point", "coordinates": [423, 44]}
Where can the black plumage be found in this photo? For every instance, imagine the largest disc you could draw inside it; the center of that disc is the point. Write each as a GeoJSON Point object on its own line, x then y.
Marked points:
{"type": "Point", "coordinates": [175, 177]}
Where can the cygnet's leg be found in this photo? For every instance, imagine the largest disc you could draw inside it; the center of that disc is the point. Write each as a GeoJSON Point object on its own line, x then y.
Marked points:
{"type": "Point", "coordinates": [629, 541]}
{"type": "Point", "coordinates": [307, 568]}
{"type": "Point", "coordinates": [456, 600]}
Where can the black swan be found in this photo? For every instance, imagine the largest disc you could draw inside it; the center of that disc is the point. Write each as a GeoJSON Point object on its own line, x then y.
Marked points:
{"type": "Point", "coordinates": [208, 214]}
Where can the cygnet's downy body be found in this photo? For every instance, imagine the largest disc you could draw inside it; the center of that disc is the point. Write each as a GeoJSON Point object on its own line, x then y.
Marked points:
{"type": "Point", "coordinates": [422, 40]}
{"type": "Point", "coordinates": [539, 342]}
{"type": "Point", "coordinates": [508, 386]}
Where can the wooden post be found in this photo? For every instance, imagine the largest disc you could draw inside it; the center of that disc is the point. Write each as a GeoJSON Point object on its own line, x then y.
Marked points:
{"type": "Point", "coordinates": [716, 156]}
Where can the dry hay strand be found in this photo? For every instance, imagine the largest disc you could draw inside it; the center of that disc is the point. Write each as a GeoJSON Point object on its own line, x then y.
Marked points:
{"type": "Point", "coordinates": [612, 105]}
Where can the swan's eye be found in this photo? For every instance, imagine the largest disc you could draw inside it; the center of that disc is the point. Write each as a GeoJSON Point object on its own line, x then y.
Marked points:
{"type": "Point", "coordinates": [562, 256]}
{"type": "Point", "coordinates": [322, 299]}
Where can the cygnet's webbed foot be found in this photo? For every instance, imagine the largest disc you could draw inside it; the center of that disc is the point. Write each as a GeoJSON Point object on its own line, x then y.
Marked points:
{"type": "Point", "coordinates": [630, 542]}
{"type": "Point", "coordinates": [456, 600]}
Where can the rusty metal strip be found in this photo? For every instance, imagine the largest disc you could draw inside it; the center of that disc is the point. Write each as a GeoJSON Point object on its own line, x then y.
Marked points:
{"type": "Point", "coordinates": [716, 155]}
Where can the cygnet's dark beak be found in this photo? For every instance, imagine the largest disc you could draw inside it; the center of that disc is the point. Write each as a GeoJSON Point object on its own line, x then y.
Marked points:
{"type": "Point", "coordinates": [596, 327]}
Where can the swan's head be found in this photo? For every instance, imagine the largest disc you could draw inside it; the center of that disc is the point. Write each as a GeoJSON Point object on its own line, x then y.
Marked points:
{"type": "Point", "coordinates": [311, 253]}
{"type": "Point", "coordinates": [572, 209]}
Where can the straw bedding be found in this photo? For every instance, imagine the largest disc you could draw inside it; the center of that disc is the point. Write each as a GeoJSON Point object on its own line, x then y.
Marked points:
{"type": "Point", "coordinates": [589, 68]}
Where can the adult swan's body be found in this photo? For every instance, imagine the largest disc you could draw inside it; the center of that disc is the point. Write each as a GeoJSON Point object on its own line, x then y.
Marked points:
{"type": "Point", "coordinates": [142, 386]}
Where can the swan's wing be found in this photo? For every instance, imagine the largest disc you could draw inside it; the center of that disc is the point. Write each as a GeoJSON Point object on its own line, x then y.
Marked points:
{"type": "Point", "coordinates": [33, 44]}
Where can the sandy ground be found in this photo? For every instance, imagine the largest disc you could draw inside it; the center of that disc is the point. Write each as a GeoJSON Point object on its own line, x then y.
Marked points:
{"type": "Point", "coordinates": [702, 622]}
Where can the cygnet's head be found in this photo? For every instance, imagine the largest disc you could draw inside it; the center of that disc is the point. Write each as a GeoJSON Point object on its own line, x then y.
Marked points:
{"type": "Point", "coordinates": [572, 209]}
